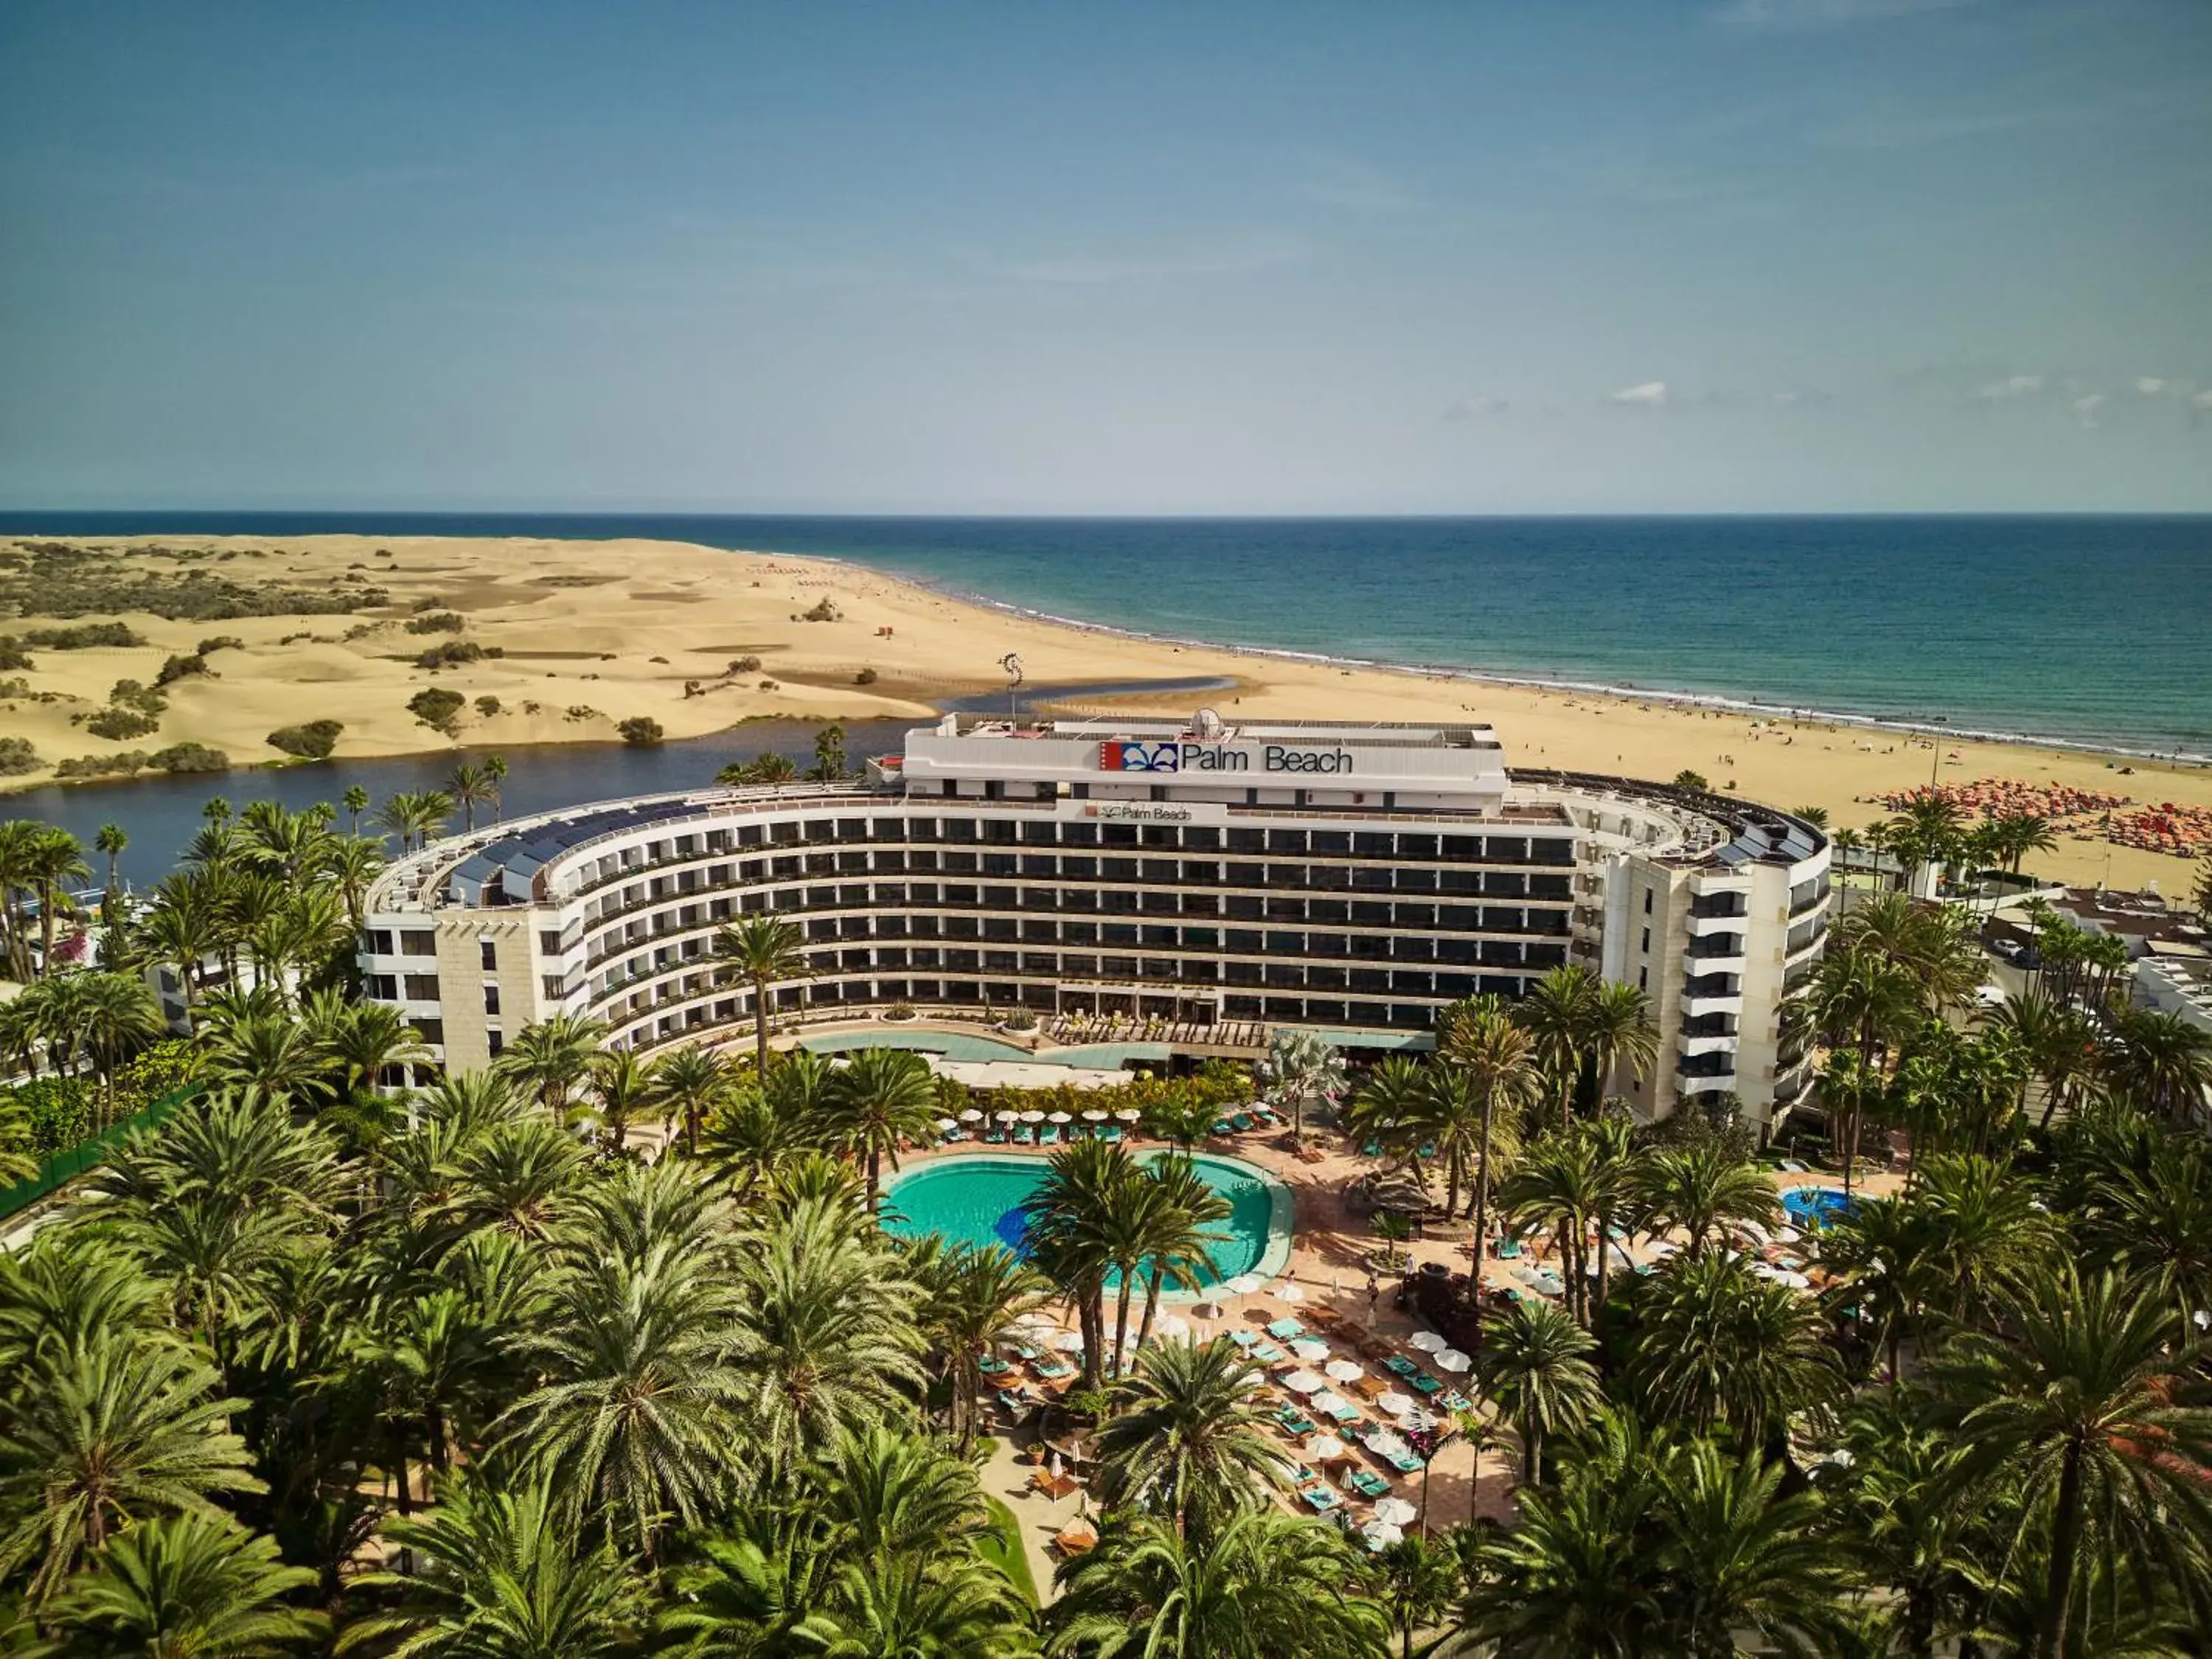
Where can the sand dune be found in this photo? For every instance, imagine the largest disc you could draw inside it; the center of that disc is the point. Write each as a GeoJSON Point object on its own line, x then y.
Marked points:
{"type": "Point", "coordinates": [598, 632]}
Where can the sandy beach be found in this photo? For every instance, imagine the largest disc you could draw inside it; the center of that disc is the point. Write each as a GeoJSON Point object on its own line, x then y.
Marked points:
{"type": "Point", "coordinates": [591, 634]}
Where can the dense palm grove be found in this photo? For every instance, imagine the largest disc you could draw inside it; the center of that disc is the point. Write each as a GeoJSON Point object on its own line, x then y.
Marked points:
{"type": "Point", "coordinates": [332, 1364]}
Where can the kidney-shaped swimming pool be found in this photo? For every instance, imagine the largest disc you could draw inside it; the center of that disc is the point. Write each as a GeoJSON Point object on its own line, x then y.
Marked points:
{"type": "Point", "coordinates": [983, 1198]}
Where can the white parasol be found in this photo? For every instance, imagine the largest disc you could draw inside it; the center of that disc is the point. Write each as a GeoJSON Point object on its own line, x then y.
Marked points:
{"type": "Point", "coordinates": [1394, 1511]}
{"type": "Point", "coordinates": [1172, 1328]}
{"type": "Point", "coordinates": [1032, 1117]}
{"type": "Point", "coordinates": [1288, 1291]}
{"type": "Point", "coordinates": [1451, 1360]}
{"type": "Point", "coordinates": [1383, 1443]}
{"type": "Point", "coordinates": [1343, 1371]}
{"type": "Point", "coordinates": [1395, 1404]}
{"type": "Point", "coordinates": [1128, 1114]}
{"type": "Point", "coordinates": [1068, 1341]}
{"type": "Point", "coordinates": [1094, 1115]}
{"type": "Point", "coordinates": [1428, 1342]}
{"type": "Point", "coordinates": [1311, 1349]}
{"type": "Point", "coordinates": [971, 1115]}
{"type": "Point", "coordinates": [1330, 1402]}
{"type": "Point", "coordinates": [1322, 1447]}
{"type": "Point", "coordinates": [1380, 1536]}
{"type": "Point", "coordinates": [1009, 1115]}
{"type": "Point", "coordinates": [1242, 1285]}
{"type": "Point", "coordinates": [946, 1124]}
{"type": "Point", "coordinates": [1304, 1382]}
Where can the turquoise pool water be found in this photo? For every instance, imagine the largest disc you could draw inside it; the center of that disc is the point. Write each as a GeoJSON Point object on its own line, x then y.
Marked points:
{"type": "Point", "coordinates": [1812, 1206]}
{"type": "Point", "coordinates": [981, 1201]}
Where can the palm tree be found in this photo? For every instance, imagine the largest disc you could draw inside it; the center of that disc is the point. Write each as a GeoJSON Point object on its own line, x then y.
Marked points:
{"type": "Point", "coordinates": [974, 1297]}
{"type": "Point", "coordinates": [552, 1056]}
{"type": "Point", "coordinates": [122, 1429]}
{"type": "Point", "coordinates": [182, 1585]}
{"type": "Point", "coordinates": [1617, 1031]}
{"type": "Point", "coordinates": [1264, 1583]}
{"type": "Point", "coordinates": [1573, 1579]}
{"type": "Point", "coordinates": [1740, 1559]}
{"type": "Point", "coordinates": [765, 767]}
{"type": "Point", "coordinates": [1556, 1184]}
{"type": "Point", "coordinates": [1182, 1236]}
{"type": "Point", "coordinates": [54, 859]}
{"type": "Point", "coordinates": [469, 784]}
{"type": "Point", "coordinates": [1498, 1058]}
{"type": "Point", "coordinates": [19, 840]}
{"type": "Point", "coordinates": [1070, 1237]}
{"type": "Point", "coordinates": [502, 1577]}
{"type": "Point", "coordinates": [2022, 833]}
{"type": "Point", "coordinates": [764, 949]}
{"type": "Point", "coordinates": [2083, 1399]}
{"type": "Point", "coordinates": [882, 1099]}
{"type": "Point", "coordinates": [1535, 1365]}
{"type": "Point", "coordinates": [111, 839]}
{"type": "Point", "coordinates": [1558, 1013]}
{"type": "Point", "coordinates": [826, 1335]}
{"type": "Point", "coordinates": [623, 1084]}
{"type": "Point", "coordinates": [2159, 1058]}
{"type": "Point", "coordinates": [642, 1416]}
{"type": "Point", "coordinates": [1862, 996]}
{"type": "Point", "coordinates": [356, 802]}
{"type": "Point", "coordinates": [692, 1082]}
{"type": "Point", "coordinates": [1704, 1190]}
{"type": "Point", "coordinates": [1299, 1066]}
{"type": "Point", "coordinates": [1716, 1344]}
{"type": "Point", "coordinates": [1188, 1436]}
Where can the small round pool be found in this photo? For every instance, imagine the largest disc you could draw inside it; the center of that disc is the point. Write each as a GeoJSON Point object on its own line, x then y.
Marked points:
{"type": "Point", "coordinates": [1815, 1207]}
{"type": "Point", "coordinates": [983, 1199]}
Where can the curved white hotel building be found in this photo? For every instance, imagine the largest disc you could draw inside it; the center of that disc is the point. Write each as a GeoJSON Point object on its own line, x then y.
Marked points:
{"type": "Point", "coordinates": [1231, 879]}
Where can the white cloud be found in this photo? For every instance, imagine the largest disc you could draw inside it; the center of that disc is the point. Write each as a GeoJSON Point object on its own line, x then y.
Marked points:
{"type": "Point", "coordinates": [2085, 409]}
{"type": "Point", "coordinates": [2012, 387]}
{"type": "Point", "coordinates": [1480, 407]}
{"type": "Point", "coordinates": [2201, 400]}
{"type": "Point", "coordinates": [1652, 394]}
{"type": "Point", "coordinates": [2151, 386]}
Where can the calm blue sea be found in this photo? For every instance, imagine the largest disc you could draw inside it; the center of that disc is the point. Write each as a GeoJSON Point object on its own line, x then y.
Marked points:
{"type": "Point", "coordinates": [2085, 629]}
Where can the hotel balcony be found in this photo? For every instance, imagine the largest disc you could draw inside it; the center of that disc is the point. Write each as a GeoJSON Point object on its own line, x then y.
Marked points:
{"type": "Point", "coordinates": [1687, 1043]}
{"type": "Point", "coordinates": [1704, 926]}
{"type": "Point", "coordinates": [1721, 954]}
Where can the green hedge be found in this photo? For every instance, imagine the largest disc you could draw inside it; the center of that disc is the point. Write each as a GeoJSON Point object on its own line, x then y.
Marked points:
{"type": "Point", "coordinates": [57, 1170]}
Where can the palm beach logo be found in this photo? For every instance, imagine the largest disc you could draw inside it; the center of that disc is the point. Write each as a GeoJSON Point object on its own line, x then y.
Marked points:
{"type": "Point", "coordinates": [1116, 756]}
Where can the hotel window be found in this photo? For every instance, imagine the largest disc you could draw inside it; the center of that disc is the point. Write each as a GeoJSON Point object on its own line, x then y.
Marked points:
{"type": "Point", "coordinates": [491, 998]}
{"type": "Point", "coordinates": [494, 1041]}
{"type": "Point", "coordinates": [489, 952]}
{"type": "Point", "coordinates": [1647, 900]}
{"type": "Point", "coordinates": [1646, 941]}
{"type": "Point", "coordinates": [1642, 979]}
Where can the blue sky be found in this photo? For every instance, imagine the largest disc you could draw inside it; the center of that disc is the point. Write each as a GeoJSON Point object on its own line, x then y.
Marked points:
{"type": "Point", "coordinates": [1738, 255]}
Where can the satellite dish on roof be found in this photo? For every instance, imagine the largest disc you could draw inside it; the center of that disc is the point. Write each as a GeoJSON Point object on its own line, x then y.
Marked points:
{"type": "Point", "coordinates": [1209, 724]}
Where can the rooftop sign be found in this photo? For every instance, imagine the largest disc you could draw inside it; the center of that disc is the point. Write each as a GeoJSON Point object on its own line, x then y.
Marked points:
{"type": "Point", "coordinates": [1122, 755]}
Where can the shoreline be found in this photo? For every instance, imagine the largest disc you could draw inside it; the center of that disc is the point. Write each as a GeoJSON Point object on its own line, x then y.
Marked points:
{"type": "Point", "coordinates": [580, 636]}
{"type": "Point", "coordinates": [1937, 725]}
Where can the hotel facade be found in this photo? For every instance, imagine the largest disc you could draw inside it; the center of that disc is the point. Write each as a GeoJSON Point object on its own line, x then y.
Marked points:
{"type": "Point", "coordinates": [1224, 880]}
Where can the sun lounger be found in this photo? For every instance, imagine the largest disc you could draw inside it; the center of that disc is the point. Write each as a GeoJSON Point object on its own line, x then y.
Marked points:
{"type": "Point", "coordinates": [992, 1366]}
{"type": "Point", "coordinates": [1054, 1487]}
{"type": "Point", "coordinates": [1245, 1339]}
{"type": "Point", "coordinates": [1403, 1366]}
{"type": "Point", "coordinates": [996, 1136]}
{"type": "Point", "coordinates": [1328, 1318]}
{"type": "Point", "coordinates": [1425, 1386]}
{"type": "Point", "coordinates": [1399, 1459]}
{"type": "Point", "coordinates": [1268, 1354]}
{"type": "Point", "coordinates": [1454, 1401]}
{"type": "Point", "coordinates": [1284, 1329]}
{"type": "Point", "coordinates": [1109, 1132]}
{"type": "Point", "coordinates": [1222, 1125]}
{"type": "Point", "coordinates": [1508, 1248]}
{"type": "Point", "coordinates": [1022, 1134]}
{"type": "Point", "coordinates": [1296, 1421]}
{"type": "Point", "coordinates": [1024, 1351]}
{"type": "Point", "coordinates": [1050, 1136]}
{"type": "Point", "coordinates": [1368, 1484]}
{"type": "Point", "coordinates": [1322, 1498]}
{"type": "Point", "coordinates": [1342, 1411]}
{"type": "Point", "coordinates": [1371, 1149]}
{"type": "Point", "coordinates": [1052, 1369]}
{"type": "Point", "coordinates": [1076, 1537]}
